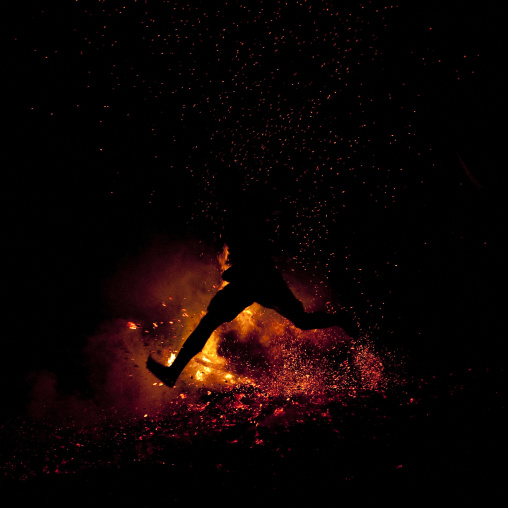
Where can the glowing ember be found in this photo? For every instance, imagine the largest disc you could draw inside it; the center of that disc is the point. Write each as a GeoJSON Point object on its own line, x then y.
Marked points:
{"type": "Point", "coordinates": [262, 350]}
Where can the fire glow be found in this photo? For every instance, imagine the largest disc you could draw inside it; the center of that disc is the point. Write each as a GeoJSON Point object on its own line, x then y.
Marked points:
{"type": "Point", "coordinates": [259, 353]}
{"type": "Point", "coordinates": [264, 351]}
{"type": "Point", "coordinates": [257, 372]}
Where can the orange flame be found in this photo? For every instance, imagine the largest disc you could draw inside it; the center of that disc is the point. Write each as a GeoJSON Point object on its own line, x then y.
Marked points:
{"type": "Point", "coordinates": [223, 259]}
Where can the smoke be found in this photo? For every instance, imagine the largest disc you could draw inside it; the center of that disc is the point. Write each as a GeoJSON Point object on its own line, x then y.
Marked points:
{"type": "Point", "coordinates": [154, 299]}
{"type": "Point", "coordinates": [49, 401]}
{"type": "Point", "coordinates": [164, 272]}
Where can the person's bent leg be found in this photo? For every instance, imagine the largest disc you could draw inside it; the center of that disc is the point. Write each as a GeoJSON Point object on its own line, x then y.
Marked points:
{"type": "Point", "coordinates": [319, 319]}
{"type": "Point", "coordinates": [293, 310]}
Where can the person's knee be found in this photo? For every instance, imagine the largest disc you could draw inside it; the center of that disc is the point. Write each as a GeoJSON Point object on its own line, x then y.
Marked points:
{"type": "Point", "coordinates": [227, 304]}
{"type": "Point", "coordinates": [314, 320]}
{"type": "Point", "coordinates": [303, 321]}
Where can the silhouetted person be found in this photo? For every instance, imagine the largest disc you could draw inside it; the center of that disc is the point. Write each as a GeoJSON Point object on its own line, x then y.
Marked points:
{"type": "Point", "coordinates": [253, 277]}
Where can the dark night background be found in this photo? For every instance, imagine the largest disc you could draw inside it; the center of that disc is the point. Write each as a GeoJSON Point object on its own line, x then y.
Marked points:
{"type": "Point", "coordinates": [126, 121]}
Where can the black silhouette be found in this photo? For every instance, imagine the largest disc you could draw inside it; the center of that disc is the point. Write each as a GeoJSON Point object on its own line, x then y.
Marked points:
{"type": "Point", "coordinates": [253, 277]}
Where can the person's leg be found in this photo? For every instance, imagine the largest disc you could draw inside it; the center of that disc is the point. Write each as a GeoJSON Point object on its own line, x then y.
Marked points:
{"type": "Point", "coordinates": [286, 304]}
{"type": "Point", "coordinates": [224, 307]}
{"type": "Point", "coordinates": [192, 346]}
{"type": "Point", "coordinates": [315, 320]}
